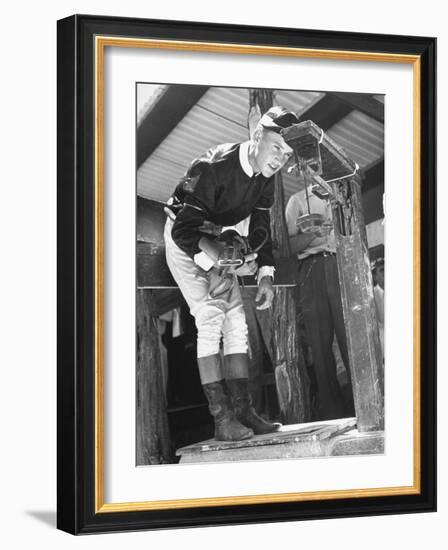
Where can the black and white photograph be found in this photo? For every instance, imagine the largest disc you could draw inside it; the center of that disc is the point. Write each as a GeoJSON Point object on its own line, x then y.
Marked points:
{"type": "Point", "coordinates": [203, 205]}
{"type": "Point", "coordinates": [260, 274]}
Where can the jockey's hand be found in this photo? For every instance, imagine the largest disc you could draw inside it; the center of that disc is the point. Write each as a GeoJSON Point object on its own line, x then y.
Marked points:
{"type": "Point", "coordinates": [265, 294]}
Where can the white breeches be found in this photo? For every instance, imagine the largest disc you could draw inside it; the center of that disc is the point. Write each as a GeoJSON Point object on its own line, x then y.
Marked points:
{"type": "Point", "coordinates": [215, 318]}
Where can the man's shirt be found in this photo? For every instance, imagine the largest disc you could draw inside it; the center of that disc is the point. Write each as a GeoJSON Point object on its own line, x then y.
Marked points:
{"type": "Point", "coordinates": [297, 206]}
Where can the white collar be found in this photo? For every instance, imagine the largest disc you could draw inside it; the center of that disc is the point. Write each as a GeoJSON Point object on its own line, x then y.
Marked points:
{"type": "Point", "coordinates": [244, 158]}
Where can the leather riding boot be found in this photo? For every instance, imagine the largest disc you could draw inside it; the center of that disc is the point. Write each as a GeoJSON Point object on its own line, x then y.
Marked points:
{"type": "Point", "coordinates": [227, 427]}
{"type": "Point", "coordinates": [244, 411]}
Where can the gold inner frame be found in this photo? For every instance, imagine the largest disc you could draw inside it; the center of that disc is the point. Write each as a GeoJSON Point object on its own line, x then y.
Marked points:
{"type": "Point", "coordinates": [101, 42]}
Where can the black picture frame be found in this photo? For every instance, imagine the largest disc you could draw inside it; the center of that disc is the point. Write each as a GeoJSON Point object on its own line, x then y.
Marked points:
{"type": "Point", "coordinates": [77, 509]}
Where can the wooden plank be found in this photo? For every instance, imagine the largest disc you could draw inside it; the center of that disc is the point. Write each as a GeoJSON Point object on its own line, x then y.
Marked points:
{"type": "Point", "coordinates": [355, 443]}
{"type": "Point", "coordinates": [297, 441]}
{"type": "Point", "coordinates": [153, 436]}
{"type": "Point", "coordinates": [297, 433]}
{"type": "Point", "coordinates": [151, 220]}
{"type": "Point", "coordinates": [153, 271]}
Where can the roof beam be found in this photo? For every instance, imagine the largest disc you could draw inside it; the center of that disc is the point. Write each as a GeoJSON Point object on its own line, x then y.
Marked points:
{"type": "Point", "coordinates": [372, 191]}
{"type": "Point", "coordinates": [170, 109]}
{"type": "Point", "coordinates": [373, 175]}
{"type": "Point", "coordinates": [327, 111]}
{"type": "Point", "coordinates": [365, 103]}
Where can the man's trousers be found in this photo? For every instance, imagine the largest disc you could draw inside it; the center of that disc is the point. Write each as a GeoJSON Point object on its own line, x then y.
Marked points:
{"type": "Point", "coordinates": [321, 306]}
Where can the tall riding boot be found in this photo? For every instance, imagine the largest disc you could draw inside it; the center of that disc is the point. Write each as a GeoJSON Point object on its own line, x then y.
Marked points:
{"type": "Point", "coordinates": [227, 427]}
{"type": "Point", "coordinates": [236, 370]}
{"type": "Point", "coordinates": [243, 409]}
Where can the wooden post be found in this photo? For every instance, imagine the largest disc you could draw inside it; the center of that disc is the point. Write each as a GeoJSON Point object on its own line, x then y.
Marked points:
{"type": "Point", "coordinates": [280, 331]}
{"type": "Point", "coordinates": [344, 192]}
{"type": "Point", "coordinates": [256, 350]}
{"type": "Point", "coordinates": [359, 307]}
{"type": "Point", "coordinates": [153, 437]}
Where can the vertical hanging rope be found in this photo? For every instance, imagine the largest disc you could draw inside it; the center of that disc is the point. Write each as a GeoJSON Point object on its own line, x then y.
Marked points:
{"type": "Point", "coordinates": [307, 199]}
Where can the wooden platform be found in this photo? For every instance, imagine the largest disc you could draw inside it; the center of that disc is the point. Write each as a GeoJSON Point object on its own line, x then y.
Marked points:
{"type": "Point", "coordinates": [332, 437]}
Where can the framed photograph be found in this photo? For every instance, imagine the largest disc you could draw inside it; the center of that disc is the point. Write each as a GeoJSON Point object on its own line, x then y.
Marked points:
{"type": "Point", "coordinates": [233, 203]}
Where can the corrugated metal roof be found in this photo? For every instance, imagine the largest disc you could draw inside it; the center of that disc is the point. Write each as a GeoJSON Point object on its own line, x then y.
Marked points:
{"type": "Point", "coordinates": [231, 104]}
{"type": "Point", "coordinates": [361, 136]}
{"type": "Point", "coordinates": [221, 116]}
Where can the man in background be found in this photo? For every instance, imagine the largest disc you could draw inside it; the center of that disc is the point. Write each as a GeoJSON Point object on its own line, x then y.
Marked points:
{"type": "Point", "coordinates": [319, 300]}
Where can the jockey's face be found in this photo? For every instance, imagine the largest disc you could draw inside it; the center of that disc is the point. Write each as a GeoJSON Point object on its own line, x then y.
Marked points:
{"type": "Point", "coordinates": [271, 152]}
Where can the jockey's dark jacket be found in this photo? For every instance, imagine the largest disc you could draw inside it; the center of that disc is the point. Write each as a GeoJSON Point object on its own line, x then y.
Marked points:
{"type": "Point", "coordinates": [215, 188]}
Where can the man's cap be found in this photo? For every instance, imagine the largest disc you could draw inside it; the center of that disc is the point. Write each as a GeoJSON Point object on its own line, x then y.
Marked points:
{"type": "Point", "coordinates": [277, 119]}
